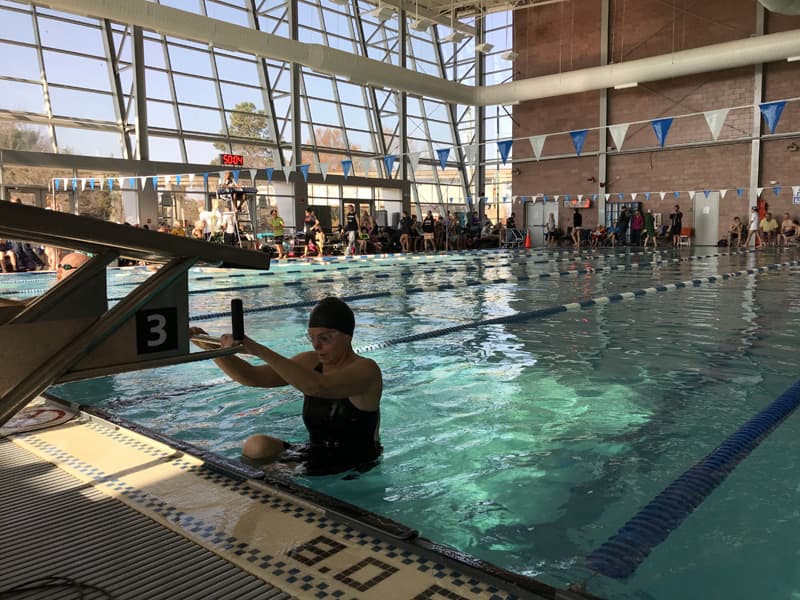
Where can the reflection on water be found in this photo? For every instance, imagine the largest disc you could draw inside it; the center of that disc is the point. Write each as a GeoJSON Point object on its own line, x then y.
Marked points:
{"type": "Point", "coordinates": [529, 444]}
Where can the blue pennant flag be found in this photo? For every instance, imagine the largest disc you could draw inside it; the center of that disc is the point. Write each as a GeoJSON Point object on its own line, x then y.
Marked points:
{"type": "Point", "coordinates": [346, 166]}
{"type": "Point", "coordinates": [236, 176]}
{"type": "Point", "coordinates": [74, 183]}
{"type": "Point", "coordinates": [647, 195]}
{"type": "Point", "coordinates": [205, 180]}
{"type": "Point", "coordinates": [772, 113]}
{"type": "Point", "coordinates": [544, 198]}
{"type": "Point", "coordinates": [621, 196]}
{"type": "Point", "coordinates": [304, 171]}
{"type": "Point", "coordinates": [504, 147]}
{"type": "Point", "coordinates": [388, 161]}
{"type": "Point", "coordinates": [594, 197]}
{"type": "Point", "coordinates": [661, 128]}
{"type": "Point", "coordinates": [132, 182]}
{"type": "Point", "coordinates": [566, 198]}
{"type": "Point", "coordinates": [110, 183]}
{"type": "Point", "coordinates": [56, 184]}
{"type": "Point", "coordinates": [740, 192]}
{"type": "Point", "coordinates": [178, 179]}
{"type": "Point", "coordinates": [91, 183]}
{"type": "Point", "coordinates": [776, 190]}
{"type": "Point", "coordinates": [155, 181]}
{"type": "Point", "coordinates": [706, 193]}
{"type": "Point", "coordinates": [676, 194]}
{"type": "Point", "coordinates": [269, 171]}
{"type": "Point", "coordinates": [578, 137]}
{"type": "Point", "coordinates": [443, 154]}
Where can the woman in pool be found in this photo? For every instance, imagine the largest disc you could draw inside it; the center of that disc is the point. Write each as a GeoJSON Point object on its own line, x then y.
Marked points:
{"type": "Point", "coordinates": [342, 394]}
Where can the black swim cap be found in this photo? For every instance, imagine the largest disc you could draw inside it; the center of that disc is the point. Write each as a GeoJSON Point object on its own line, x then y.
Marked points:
{"type": "Point", "coordinates": [332, 313]}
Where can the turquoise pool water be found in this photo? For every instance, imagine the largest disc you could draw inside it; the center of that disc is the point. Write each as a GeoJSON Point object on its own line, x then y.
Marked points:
{"type": "Point", "coordinates": [528, 444]}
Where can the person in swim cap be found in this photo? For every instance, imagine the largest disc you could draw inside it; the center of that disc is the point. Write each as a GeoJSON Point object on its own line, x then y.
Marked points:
{"type": "Point", "coordinates": [342, 393]}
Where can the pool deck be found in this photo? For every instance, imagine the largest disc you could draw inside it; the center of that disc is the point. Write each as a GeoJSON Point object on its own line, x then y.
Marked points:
{"type": "Point", "coordinates": [93, 505]}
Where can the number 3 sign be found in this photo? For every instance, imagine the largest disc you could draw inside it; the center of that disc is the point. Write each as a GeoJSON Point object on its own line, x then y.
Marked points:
{"type": "Point", "coordinates": [156, 330]}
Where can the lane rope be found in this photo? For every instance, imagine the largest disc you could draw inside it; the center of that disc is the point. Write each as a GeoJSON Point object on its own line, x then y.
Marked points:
{"type": "Point", "coordinates": [622, 553]}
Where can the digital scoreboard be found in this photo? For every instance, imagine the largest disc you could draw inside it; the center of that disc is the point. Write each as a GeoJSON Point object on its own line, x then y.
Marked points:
{"type": "Point", "coordinates": [231, 160]}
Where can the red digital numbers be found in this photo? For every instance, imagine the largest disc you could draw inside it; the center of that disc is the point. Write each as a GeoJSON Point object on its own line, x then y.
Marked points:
{"type": "Point", "coordinates": [231, 160]}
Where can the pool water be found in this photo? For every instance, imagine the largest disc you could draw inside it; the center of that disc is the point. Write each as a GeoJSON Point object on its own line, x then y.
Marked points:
{"type": "Point", "coordinates": [529, 443]}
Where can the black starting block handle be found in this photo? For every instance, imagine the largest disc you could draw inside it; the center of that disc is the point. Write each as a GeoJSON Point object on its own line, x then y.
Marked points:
{"type": "Point", "coordinates": [237, 320]}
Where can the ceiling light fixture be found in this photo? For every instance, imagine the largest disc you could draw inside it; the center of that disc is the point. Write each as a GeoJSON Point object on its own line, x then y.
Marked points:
{"type": "Point", "coordinates": [381, 13]}
{"type": "Point", "coordinates": [793, 58]}
{"type": "Point", "coordinates": [455, 37]}
{"type": "Point", "coordinates": [625, 86]}
{"type": "Point", "coordinates": [510, 55]}
{"type": "Point", "coordinates": [420, 25]}
{"type": "Point", "coordinates": [484, 47]}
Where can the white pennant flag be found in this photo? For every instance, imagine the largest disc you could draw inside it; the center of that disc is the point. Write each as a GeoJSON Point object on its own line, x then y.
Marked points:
{"type": "Point", "coordinates": [143, 181]}
{"type": "Point", "coordinates": [119, 180]}
{"type": "Point", "coordinates": [366, 165]}
{"type": "Point", "coordinates": [191, 178]}
{"type": "Point", "coordinates": [722, 194]}
{"type": "Point", "coordinates": [323, 168]}
{"type": "Point", "coordinates": [287, 170]}
{"type": "Point", "coordinates": [662, 194]}
{"type": "Point", "coordinates": [796, 192]}
{"type": "Point", "coordinates": [761, 189]}
{"type": "Point", "coordinates": [691, 195]}
{"type": "Point", "coordinates": [715, 120]}
{"type": "Point", "coordinates": [618, 133]}
{"type": "Point", "coordinates": [607, 196]}
{"type": "Point", "coordinates": [580, 197]}
{"type": "Point", "coordinates": [65, 183]}
{"type": "Point", "coordinates": [413, 158]}
{"type": "Point", "coordinates": [556, 197]}
{"type": "Point", "coordinates": [633, 196]}
{"type": "Point", "coordinates": [537, 143]}
{"type": "Point", "coordinates": [83, 183]}
{"type": "Point", "coordinates": [471, 153]}
{"type": "Point", "coordinates": [221, 174]}
{"type": "Point", "coordinates": [253, 175]}
{"type": "Point", "coordinates": [166, 180]}
{"type": "Point", "coordinates": [101, 184]}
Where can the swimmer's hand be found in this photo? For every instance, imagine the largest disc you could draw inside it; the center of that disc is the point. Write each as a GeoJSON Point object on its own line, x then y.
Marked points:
{"type": "Point", "coordinates": [196, 335]}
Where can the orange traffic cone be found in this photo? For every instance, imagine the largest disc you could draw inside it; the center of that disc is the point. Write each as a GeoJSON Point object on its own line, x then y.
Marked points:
{"type": "Point", "coordinates": [528, 240]}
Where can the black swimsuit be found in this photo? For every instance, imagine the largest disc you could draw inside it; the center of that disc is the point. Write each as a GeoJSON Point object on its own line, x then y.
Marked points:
{"type": "Point", "coordinates": [342, 436]}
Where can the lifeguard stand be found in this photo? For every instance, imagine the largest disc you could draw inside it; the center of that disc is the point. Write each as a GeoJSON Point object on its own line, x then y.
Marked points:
{"type": "Point", "coordinates": [238, 203]}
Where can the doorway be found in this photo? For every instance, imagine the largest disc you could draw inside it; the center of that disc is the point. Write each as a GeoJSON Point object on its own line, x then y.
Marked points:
{"type": "Point", "coordinates": [706, 219]}
{"type": "Point", "coordinates": [536, 215]}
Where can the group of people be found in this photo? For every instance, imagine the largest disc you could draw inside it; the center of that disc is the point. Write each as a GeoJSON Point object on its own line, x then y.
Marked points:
{"type": "Point", "coordinates": [636, 228]}
{"type": "Point", "coordinates": [763, 231]}
{"type": "Point", "coordinates": [19, 256]}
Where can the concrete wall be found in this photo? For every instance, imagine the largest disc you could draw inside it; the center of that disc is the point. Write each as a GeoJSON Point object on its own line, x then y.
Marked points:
{"type": "Point", "coordinates": [566, 36]}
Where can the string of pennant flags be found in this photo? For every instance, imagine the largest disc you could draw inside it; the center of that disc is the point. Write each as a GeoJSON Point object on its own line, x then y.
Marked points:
{"type": "Point", "coordinates": [715, 119]}
{"type": "Point", "coordinates": [646, 196]}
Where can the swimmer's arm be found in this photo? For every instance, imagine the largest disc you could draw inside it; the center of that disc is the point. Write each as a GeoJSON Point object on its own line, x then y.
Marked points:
{"type": "Point", "coordinates": [360, 378]}
{"type": "Point", "coordinates": [238, 369]}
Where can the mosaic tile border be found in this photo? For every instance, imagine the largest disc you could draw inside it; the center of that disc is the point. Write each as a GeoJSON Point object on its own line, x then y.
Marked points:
{"type": "Point", "coordinates": [309, 556]}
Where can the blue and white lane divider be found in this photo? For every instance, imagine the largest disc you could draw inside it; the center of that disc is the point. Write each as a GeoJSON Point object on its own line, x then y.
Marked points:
{"type": "Point", "coordinates": [442, 287]}
{"type": "Point", "coordinates": [552, 310]}
{"type": "Point", "coordinates": [621, 554]}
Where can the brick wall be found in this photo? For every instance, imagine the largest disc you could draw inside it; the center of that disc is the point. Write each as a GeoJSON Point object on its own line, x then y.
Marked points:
{"type": "Point", "coordinates": [565, 36]}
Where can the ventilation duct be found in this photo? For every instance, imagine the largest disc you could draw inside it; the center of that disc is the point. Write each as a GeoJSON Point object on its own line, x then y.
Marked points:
{"type": "Point", "coordinates": [782, 7]}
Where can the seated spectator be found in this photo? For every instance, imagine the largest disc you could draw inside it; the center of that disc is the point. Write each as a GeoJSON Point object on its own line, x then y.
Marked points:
{"type": "Point", "coordinates": [7, 256]}
{"type": "Point", "coordinates": [598, 236]}
{"type": "Point", "coordinates": [511, 222]}
{"type": "Point", "coordinates": [769, 227]}
{"type": "Point", "coordinates": [788, 231]}
{"type": "Point", "coordinates": [612, 233]}
{"type": "Point", "coordinates": [735, 231]}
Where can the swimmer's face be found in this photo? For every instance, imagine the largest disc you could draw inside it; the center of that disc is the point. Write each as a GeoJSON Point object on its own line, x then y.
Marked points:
{"type": "Point", "coordinates": [327, 343]}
